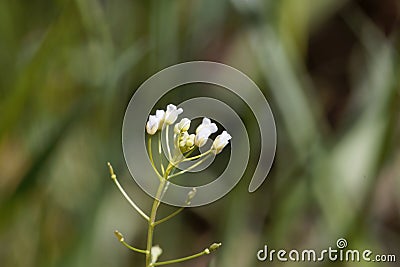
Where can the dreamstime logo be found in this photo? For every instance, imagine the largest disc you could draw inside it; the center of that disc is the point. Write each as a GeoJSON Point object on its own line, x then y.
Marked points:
{"type": "Point", "coordinates": [341, 243]}
{"type": "Point", "coordinates": [226, 78]}
{"type": "Point", "coordinates": [340, 253]}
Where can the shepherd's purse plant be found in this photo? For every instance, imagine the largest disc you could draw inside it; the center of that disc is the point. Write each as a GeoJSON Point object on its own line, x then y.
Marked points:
{"type": "Point", "coordinates": [184, 146]}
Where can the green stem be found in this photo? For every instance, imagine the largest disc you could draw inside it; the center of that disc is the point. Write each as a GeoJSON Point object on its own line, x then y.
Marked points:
{"type": "Point", "coordinates": [122, 240]}
{"type": "Point", "coordinates": [190, 168]}
{"type": "Point", "coordinates": [133, 248]}
{"type": "Point", "coordinates": [169, 216]}
{"type": "Point", "coordinates": [133, 204]}
{"type": "Point", "coordinates": [167, 142]}
{"type": "Point", "coordinates": [151, 158]}
{"type": "Point", "coordinates": [198, 156]}
{"type": "Point", "coordinates": [176, 141]}
{"type": "Point", "coordinates": [153, 214]}
{"type": "Point", "coordinates": [160, 153]}
{"type": "Point", "coordinates": [204, 252]}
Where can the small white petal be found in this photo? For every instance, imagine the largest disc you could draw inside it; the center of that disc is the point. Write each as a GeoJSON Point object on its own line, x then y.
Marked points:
{"type": "Point", "coordinates": [160, 115]}
{"type": "Point", "coordinates": [206, 124]}
{"type": "Point", "coordinates": [201, 137]}
{"type": "Point", "coordinates": [156, 251]}
{"type": "Point", "coordinates": [172, 114]}
{"type": "Point", "coordinates": [152, 125]}
{"type": "Point", "coordinates": [203, 131]}
{"type": "Point", "coordinates": [155, 122]}
{"type": "Point", "coordinates": [221, 141]}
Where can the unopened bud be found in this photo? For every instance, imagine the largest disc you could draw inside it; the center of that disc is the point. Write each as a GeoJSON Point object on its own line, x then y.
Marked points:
{"type": "Point", "coordinates": [119, 236]}
{"type": "Point", "coordinates": [191, 195]}
{"type": "Point", "coordinates": [215, 246]}
{"type": "Point", "coordinates": [113, 176]}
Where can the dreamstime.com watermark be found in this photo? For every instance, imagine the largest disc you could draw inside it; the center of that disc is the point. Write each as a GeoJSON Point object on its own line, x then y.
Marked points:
{"type": "Point", "coordinates": [338, 253]}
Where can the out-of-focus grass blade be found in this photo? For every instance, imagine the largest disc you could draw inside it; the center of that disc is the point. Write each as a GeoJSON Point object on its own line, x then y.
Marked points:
{"type": "Point", "coordinates": [93, 19]}
{"type": "Point", "coordinates": [30, 179]}
{"type": "Point", "coordinates": [347, 175]}
{"type": "Point", "coordinates": [164, 39]}
{"type": "Point", "coordinates": [286, 89]}
{"type": "Point", "coordinates": [30, 74]}
{"type": "Point", "coordinates": [205, 24]}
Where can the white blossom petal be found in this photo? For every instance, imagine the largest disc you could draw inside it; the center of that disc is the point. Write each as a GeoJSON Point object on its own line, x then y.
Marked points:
{"type": "Point", "coordinates": [155, 122]}
{"type": "Point", "coordinates": [160, 115]}
{"type": "Point", "coordinates": [172, 114]}
{"type": "Point", "coordinates": [202, 137]}
{"type": "Point", "coordinates": [206, 124]}
{"type": "Point", "coordinates": [221, 141]}
{"type": "Point", "coordinates": [156, 251]}
{"type": "Point", "coordinates": [152, 125]}
{"type": "Point", "coordinates": [203, 132]}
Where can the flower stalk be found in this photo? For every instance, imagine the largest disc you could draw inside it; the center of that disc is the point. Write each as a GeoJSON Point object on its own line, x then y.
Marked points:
{"type": "Point", "coordinates": [153, 214]}
{"type": "Point", "coordinates": [206, 251]}
{"type": "Point", "coordinates": [122, 240]}
{"type": "Point", "coordinates": [133, 204]}
{"type": "Point", "coordinates": [183, 146]}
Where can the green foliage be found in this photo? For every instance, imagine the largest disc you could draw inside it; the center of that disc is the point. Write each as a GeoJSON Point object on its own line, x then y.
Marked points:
{"type": "Point", "coordinates": [68, 69]}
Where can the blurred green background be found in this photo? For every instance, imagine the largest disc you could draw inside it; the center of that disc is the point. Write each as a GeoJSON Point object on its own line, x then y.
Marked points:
{"type": "Point", "coordinates": [329, 69]}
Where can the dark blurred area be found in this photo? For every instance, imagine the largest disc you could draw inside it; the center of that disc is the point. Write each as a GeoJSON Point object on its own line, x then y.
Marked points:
{"type": "Point", "coordinates": [329, 69]}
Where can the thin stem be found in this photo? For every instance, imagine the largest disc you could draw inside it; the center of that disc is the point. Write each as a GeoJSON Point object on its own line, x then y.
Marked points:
{"type": "Point", "coordinates": [190, 151]}
{"type": "Point", "coordinates": [169, 216]}
{"type": "Point", "coordinates": [151, 158]}
{"type": "Point", "coordinates": [153, 214]}
{"type": "Point", "coordinates": [178, 153]}
{"type": "Point", "coordinates": [197, 156]}
{"type": "Point", "coordinates": [133, 204]}
{"type": "Point", "coordinates": [167, 142]}
{"type": "Point", "coordinates": [152, 219]}
{"type": "Point", "coordinates": [204, 252]}
{"type": "Point", "coordinates": [190, 196]}
{"type": "Point", "coordinates": [133, 248]}
{"type": "Point", "coordinates": [122, 240]}
{"type": "Point", "coordinates": [176, 140]}
{"type": "Point", "coordinates": [178, 158]}
{"type": "Point", "coordinates": [188, 169]}
{"type": "Point", "coordinates": [160, 153]}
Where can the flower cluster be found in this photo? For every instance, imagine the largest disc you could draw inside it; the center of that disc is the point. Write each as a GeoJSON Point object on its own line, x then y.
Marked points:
{"type": "Point", "coordinates": [168, 117]}
{"type": "Point", "coordinates": [184, 140]}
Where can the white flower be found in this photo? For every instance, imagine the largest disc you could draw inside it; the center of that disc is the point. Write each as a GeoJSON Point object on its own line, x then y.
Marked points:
{"type": "Point", "coordinates": [206, 124]}
{"type": "Point", "coordinates": [155, 122]}
{"type": "Point", "coordinates": [155, 252]}
{"type": "Point", "coordinates": [220, 142]}
{"type": "Point", "coordinates": [205, 129]}
{"type": "Point", "coordinates": [182, 126]}
{"type": "Point", "coordinates": [160, 115]}
{"type": "Point", "coordinates": [152, 125]}
{"type": "Point", "coordinates": [172, 114]}
{"type": "Point", "coordinates": [201, 138]}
